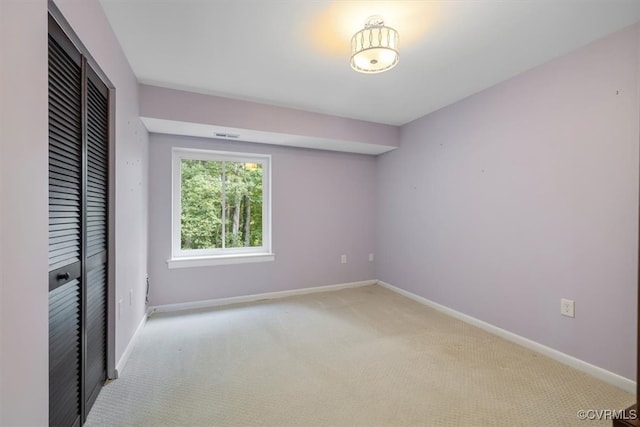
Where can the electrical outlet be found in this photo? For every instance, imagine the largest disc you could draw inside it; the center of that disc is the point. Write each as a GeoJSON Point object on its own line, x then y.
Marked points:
{"type": "Point", "coordinates": [343, 259]}
{"type": "Point", "coordinates": [370, 257]}
{"type": "Point", "coordinates": [567, 307]}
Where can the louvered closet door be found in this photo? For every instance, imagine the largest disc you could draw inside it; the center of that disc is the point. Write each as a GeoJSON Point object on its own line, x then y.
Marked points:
{"type": "Point", "coordinates": [96, 236]}
{"type": "Point", "coordinates": [65, 237]}
{"type": "Point", "coordinates": [78, 231]}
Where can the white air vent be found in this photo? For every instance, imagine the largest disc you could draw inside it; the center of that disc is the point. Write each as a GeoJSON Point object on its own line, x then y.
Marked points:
{"type": "Point", "coordinates": [227, 135]}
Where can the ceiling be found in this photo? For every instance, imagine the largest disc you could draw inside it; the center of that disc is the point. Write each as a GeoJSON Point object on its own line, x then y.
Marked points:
{"type": "Point", "coordinates": [295, 53]}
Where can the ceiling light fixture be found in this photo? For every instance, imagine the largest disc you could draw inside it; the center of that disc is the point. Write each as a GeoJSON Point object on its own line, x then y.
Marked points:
{"type": "Point", "coordinates": [374, 49]}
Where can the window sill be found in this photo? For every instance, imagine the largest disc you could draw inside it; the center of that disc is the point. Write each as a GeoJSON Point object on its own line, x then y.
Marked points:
{"type": "Point", "coordinates": [206, 261]}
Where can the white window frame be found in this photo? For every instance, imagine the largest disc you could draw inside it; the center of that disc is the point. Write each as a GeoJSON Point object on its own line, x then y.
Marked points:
{"type": "Point", "coordinates": [215, 256]}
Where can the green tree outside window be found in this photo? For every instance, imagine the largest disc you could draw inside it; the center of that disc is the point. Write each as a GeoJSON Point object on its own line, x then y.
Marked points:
{"type": "Point", "coordinates": [221, 204]}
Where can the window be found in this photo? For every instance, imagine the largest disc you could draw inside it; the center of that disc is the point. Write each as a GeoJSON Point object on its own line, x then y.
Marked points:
{"type": "Point", "coordinates": [221, 209]}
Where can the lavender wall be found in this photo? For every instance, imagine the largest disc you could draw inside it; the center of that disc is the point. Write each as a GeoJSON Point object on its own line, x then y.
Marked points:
{"type": "Point", "coordinates": [24, 373]}
{"type": "Point", "coordinates": [503, 203]}
{"type": "Point", "coordinates": [323, 206]}
{"type": "Point", "coordinates": [170, 104]}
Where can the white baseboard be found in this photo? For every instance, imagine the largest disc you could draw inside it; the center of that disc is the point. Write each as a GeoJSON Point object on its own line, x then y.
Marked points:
{"type": "Point", "coordinates": [127, 351]}
{"type": "Point", "coordinates": [595, 371]}
{"type": "Point", "coordinates": [255, 297]}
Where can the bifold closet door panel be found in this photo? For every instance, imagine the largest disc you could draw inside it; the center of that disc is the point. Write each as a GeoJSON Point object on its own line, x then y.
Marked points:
{"type": "Point", "coordinates": [96, 235]}
{"type": "Point", "coordinates": [65, 234]}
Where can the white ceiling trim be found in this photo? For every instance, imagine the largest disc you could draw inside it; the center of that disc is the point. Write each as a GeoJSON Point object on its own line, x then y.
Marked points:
{"type": "Point", "coordinates": [173, 127]}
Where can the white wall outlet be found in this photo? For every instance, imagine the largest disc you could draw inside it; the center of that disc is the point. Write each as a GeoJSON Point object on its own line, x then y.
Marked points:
{"type": "Point", "coordinates": [343, 259]}
{"type": "Point", "coordinates": [567, 307]}
{"type": "Point", "coordinates": [370, 257]}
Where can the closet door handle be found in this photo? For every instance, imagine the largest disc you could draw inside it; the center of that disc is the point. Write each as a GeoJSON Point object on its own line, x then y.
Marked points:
{"type": "Point", "coordinates": [63, 276]}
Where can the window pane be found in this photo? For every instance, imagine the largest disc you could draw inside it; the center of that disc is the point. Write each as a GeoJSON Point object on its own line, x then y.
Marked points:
{"type": "Point", "coordinates": [221, 204]}
{"type": "Point", "coordinates": [201, 215]}
{"type": "Point", "coordinates": [243, 191]}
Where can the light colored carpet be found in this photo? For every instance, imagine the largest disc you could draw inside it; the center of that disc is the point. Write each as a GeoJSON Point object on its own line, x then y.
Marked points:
{"type": "Point", "coordinates": [355, 357]}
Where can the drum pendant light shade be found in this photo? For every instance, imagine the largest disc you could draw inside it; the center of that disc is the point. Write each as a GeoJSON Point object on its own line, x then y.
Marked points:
{"type": "Point", "coordinates": [374, 49]}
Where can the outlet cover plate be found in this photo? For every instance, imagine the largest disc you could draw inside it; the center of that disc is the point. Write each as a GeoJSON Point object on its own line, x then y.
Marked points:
{"type": "Point", "coordinates": [567, 307]}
